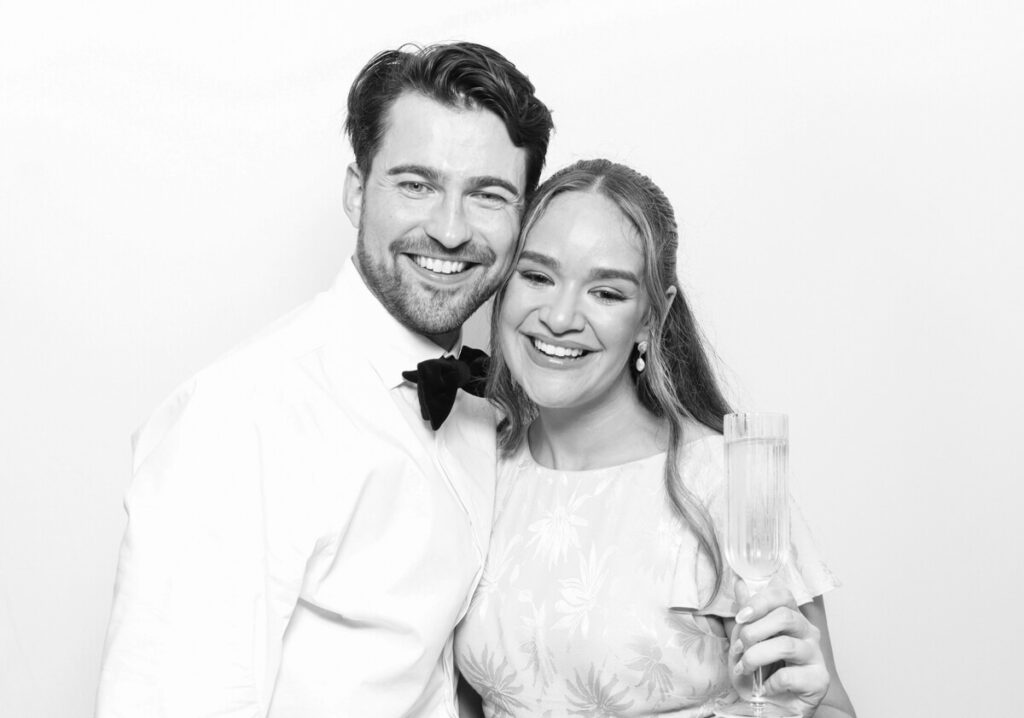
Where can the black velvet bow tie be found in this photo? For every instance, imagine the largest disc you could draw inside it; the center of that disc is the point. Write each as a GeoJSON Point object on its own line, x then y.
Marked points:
{"type": "Point", "coordinates": [438, 380]}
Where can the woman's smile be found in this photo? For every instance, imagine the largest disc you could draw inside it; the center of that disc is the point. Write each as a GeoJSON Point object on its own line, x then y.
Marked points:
{"type": "Point", "coordinates": [574, 308]}
{"type": "Point", "coordinates": [553, 349]}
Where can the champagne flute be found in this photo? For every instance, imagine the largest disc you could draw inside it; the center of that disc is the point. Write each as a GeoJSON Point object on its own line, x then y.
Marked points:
{"type": "Point", "coordinates": [757, 523]}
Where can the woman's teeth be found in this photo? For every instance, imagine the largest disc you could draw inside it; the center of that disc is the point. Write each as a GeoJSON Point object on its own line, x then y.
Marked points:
{"type": "Point", "coordinates": [441, 266]}
{"type": "Point", "coordinates": [554, 350]}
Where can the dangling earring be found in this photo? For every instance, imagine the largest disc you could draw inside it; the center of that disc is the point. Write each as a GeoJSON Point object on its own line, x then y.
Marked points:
{"type": "Point", "coordinates": [640, 349]}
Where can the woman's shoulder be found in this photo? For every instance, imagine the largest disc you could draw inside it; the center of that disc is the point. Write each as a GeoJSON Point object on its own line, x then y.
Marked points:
{"type": "Point", "coordinates": [514, 458]}
{"type": "Point", "coordinates": [694, 431]}
{"type": "Point", "coordinates": [512, 464]}
{"type": "Point", "coordinates": [701, 443]}
{"type": "Point", "coordinates": [702, 458]}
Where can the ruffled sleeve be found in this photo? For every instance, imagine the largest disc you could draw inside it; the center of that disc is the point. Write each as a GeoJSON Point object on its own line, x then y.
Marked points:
{"type": "Point", "coordinates": [805, 573]}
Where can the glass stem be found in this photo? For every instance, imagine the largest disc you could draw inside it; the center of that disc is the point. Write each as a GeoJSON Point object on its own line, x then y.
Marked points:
{"type": "Point", "coordinates": [757, 690]}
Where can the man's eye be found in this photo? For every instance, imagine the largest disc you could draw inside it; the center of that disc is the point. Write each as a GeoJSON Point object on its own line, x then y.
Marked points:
{"type": "Point", "coordinates": [414, 187]}
{"type": "Point", "coordinates": [491, 200]}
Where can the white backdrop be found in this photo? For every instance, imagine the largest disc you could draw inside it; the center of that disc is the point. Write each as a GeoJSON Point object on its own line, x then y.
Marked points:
{"type": "Point", "coordinates": [848, 176]}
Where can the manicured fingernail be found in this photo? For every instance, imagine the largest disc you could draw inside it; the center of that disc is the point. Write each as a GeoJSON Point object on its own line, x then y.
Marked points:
{"type": "Point", "coordinates": [738, 668]}
{"type": "Point", "coordinates": [743, 615]}
{"type": "Point", "coordinates": [737, 646]}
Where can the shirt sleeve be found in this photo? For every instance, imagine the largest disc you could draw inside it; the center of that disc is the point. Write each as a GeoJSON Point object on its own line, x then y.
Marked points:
{"type": "Point", "coordinates": [210, 567]}
{"type": "Point", "coordinates": [805, 573]}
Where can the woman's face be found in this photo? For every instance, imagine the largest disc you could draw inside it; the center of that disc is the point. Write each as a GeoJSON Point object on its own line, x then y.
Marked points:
{"type": "Point", "coordinates": [575, 305]}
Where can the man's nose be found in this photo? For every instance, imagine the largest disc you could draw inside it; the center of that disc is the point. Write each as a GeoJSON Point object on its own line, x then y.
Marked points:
{"type": "Point", "coordinates": [448, 223]}
{"type": "Point", "coordinates": [562, 314]}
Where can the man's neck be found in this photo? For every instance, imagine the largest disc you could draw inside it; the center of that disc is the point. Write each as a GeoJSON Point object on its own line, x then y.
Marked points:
{"type": "Point", "coordinates": [447, 340]}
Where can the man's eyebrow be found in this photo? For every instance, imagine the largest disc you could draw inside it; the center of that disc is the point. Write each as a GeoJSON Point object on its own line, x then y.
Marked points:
{"type": "Point", "coordinates": [595, 274]}
{"type": "Point", "coordinates": [427, 173]}
{"type": "Point", "coordinates": [475, 183]}
{"type": "Point", "coordinates": [491, 181]}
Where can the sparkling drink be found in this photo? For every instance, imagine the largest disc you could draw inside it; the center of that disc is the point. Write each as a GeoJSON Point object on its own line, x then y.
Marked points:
{"type": "Point", "coordinates": [758, 507]}
{"type": "Point", "coordinates": [757, 521]}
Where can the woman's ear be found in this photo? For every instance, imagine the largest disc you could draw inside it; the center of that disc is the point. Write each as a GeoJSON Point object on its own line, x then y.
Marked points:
{"type": "Point", "coordinates": [670, 295]}
{"type": "Point", "coordinates": [352, 196]}
{"type": "Point", "coordinates": [645, 330]}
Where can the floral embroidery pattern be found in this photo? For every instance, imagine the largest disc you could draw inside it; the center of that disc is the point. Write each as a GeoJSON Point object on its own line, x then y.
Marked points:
{"type": "Point", "coordinates": [688, 636]}
{"type": "Point", "coordinates": [572, 616]}
{"type": "Point", "coordinates": [540, 658]}
{"type": "Point", "coordinates": [499, 562]}
{"type": "Point", "coordinates": [495, 683]}
{"type": "Point", "coordinates": [556, 531]}
{"type": "Point", "coordinates": [579, 595]}
{"type": "Point", "coordinates": [595, 698]}
{"type": "Point", "coordinates": [655, 674]}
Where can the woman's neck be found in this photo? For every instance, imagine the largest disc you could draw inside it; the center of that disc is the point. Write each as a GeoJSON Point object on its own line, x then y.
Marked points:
{"type": "Point", "coordinates": [596, 437]}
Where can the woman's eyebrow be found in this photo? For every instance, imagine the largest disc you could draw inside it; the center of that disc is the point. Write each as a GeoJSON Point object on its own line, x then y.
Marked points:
{"type": "Point", "coordinates": [605, 273]}
{"type": "Point", "coordinates": [596, 273]}
{"type": "Point", "coordinates": [543, 259]}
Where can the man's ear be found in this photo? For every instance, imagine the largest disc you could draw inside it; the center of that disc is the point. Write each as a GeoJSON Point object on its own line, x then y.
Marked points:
{"type": "Point", "coordinates": [353, 194]}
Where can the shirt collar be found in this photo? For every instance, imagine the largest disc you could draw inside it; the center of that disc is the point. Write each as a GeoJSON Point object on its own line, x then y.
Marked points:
{"type": "Point", "coordinates": [390, 347]}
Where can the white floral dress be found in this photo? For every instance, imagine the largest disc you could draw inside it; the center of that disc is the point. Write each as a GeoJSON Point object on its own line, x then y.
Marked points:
{"type": "Point", "coordinates": [572, 616]}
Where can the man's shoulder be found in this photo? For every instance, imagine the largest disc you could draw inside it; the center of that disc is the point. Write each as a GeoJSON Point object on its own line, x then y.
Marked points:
{"type": "Point", "coordinates": [281, 347]}
{"type": "Point", "coordinates": [294, 361]}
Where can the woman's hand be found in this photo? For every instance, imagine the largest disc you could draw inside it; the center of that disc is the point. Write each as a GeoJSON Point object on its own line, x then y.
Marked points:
{"type": "Point", "coordinates": [771, 628]}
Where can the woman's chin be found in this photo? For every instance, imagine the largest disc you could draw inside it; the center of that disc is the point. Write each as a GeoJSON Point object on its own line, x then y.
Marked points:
{"type": "Point", "coordinates": [554, 398]}
{"type": "Point", "coordinates": [545, 396]}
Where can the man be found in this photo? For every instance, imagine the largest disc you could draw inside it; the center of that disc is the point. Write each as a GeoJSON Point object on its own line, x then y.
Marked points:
{"type": "Point", "coordinates": [301, 541]}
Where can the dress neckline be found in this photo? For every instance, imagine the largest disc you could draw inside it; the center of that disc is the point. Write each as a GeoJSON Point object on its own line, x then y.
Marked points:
{"type": "Point", "coordinates": [529, 459]}
{"type": "Point", "coordinates": [526, 457]}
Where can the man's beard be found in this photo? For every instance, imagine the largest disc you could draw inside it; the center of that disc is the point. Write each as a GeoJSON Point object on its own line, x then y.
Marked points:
{"type": "Point", "coordinates": [426, 310]}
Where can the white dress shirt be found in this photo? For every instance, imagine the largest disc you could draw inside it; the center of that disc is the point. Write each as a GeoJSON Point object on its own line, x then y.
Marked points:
{"type": "Point", "coordinates": [300, 543]}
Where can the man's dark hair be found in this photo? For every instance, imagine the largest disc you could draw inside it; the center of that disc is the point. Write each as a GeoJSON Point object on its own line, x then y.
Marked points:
{"type": "Point", "coordinates": [461, 74]}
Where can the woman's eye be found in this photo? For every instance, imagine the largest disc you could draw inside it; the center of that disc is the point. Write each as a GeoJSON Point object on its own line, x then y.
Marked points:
{"type": "Point", "coordinates": [609, 295]}
{"type": "Point", "coordinates": [532, 277]}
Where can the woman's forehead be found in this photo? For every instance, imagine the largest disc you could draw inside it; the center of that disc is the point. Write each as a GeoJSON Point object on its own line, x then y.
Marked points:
{"type": "Point", "coordinates": [588, 226]}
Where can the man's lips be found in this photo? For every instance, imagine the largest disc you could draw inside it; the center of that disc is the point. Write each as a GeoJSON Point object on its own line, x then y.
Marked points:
{"type": "Point", "coordinates": [440, 266]}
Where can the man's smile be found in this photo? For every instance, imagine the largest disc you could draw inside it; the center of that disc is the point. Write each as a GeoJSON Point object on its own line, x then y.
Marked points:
{"type": "Point", "coordinates": [439, 266]}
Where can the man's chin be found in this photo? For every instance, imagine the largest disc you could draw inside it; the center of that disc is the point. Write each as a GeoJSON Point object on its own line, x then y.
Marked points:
{"type": "Point", "coordinates": [444, 305]}
{"type": "Point", "coordinates": [441, 317]}
{"type": "Point", "coordinates": [433, 325]}
{"type": "Point", "coordinates": [429, 309]}
{"type": "Point", "coordinates": [445, 287]}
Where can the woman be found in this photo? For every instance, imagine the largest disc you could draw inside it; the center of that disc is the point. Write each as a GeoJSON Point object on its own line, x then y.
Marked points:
{"type": "Point", "coordinates": [609, 491]}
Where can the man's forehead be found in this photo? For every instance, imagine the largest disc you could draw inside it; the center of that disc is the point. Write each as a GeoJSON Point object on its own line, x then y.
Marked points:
{"type": "Point", "coordinates": [453, 140]}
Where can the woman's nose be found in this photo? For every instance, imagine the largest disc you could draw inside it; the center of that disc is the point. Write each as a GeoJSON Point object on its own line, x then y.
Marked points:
{"type": "Point", "coordinates": [562, 314]}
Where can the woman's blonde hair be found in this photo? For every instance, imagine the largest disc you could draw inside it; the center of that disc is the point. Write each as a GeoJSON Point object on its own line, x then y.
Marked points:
{"type": "Point", "coordinates": [678, 381]}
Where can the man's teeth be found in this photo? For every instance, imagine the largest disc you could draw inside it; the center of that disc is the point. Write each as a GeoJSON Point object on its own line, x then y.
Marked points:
{"type": "Point", "coordinates": [557, 351]}
{"type": "Point", "coordinates": [441, 266]}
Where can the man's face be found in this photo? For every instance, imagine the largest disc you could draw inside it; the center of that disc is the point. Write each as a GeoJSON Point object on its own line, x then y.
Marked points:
{"type": "Point", "coordinates": [438, 214]}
